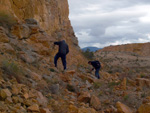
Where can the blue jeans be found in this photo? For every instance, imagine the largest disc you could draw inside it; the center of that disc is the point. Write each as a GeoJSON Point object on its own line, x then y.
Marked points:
{"type": "Point", "coordinates": [97, 73]}
{"type": "Point", "coordinates": [63, 59]}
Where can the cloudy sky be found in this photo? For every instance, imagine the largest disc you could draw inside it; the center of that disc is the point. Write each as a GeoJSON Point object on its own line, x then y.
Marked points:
{"type": "Point", "coordinates": [102, 23]}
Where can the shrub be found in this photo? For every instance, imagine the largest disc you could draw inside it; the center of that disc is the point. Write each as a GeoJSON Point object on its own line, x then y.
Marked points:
{"type": "Point", "coordinates": [6, 20]}
{"type": "Point", "coordinates": [11, 68]}
{"type": "Point", "coordinates": [112, 84]}
{"type": "Point", "coordinates": [97, 85]}
{"type": "Point", "coordinates": [88, 54]}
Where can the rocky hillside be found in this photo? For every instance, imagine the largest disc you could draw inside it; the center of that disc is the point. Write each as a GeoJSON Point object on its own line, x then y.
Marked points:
{"type": "Point", "coordinates": [142, 49]}
{"type": "Point", "coordinates": [29, 82]}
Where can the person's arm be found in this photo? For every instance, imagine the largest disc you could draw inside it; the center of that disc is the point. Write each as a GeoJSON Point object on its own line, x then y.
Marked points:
{"type": "Point", "coordinates": [92, 69]}
{"type": "Point", "coordinates": [67, 50]}
{"type": "Point", "coordinates": [56, 43]}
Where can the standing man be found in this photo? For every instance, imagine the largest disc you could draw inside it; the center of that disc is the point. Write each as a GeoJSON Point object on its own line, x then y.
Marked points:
{"type": "Point", "coordinates": [96, 65]}
{"type": "Point", "coordinates": [62, 52]}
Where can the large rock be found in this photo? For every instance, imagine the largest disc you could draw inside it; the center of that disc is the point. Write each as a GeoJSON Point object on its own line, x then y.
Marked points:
{"type": "Point", "coordinates": [84, 97]}
{"type": "Point", "coordinates": [95, 102]}
{"type": "Point", "coordinates": [20, 31]}
{"type": "Point", "coordinates": [33, 108]}
{"type": "Point", "coordinates": [121, 108]}
{"type": "Point", "coordinates": [72, 109]}
{"type": "Point", "coordinates": [86, 110]}
{"type": "Point", "coordinates": [144, 108]}
{"type": "Point", "coordinates": [143, 82]}
{"type": "Point", "coordinates": [44, 110]}
{"type": "Point", "coordinates": [4, 93]}
{"type": "Point", "coordinates": [3, 37]}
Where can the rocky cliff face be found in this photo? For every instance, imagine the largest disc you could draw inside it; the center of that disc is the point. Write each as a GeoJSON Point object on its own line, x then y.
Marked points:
{"type": "Point", "coordinates": [142, 49]}
{"type": "Point", "coordinates": [51, 16]}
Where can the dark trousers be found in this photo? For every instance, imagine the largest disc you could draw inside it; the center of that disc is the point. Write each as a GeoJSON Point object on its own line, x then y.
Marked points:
{"type": "Point", "coordinates": [63, 59]}
{"type": "Point", "coordinates": [97, 73]}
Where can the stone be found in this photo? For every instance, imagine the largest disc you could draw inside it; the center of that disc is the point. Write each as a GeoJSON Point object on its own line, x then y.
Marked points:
{"type": "Point", "coordinates": [124, 83]}
{"type": "Point", "coordinates": [84, 97]}
{"type": "Point", "coordinates": [26, 95]}
{"type": "Point", "coordinates": [4, 93]}
{"type": "Point", "coordinates": [95, 102]}
{"type": "Point", "coordinates": [31, 21]}
{"type": "Point", "coordinates": [144, 108]}
{"type": "Point", "coordinates": [54, 88]}
{"type": "Point", "coordinates": [33, 108]}
{"type": "Point", "coordinates": [86, 110]}
{"type": "Point", "coordinates": [34, 29]}
{"type": "Point", "coordinates": [70, 72]}
{"type": "Point", "coordinates": [3, 37]}
{"type": "Point", "coordinates": [121, 108]}
{"type": "Point", "coordinates": [143, 82]}
{"type": "Point", "coordinates": [87, 77]}
{"type": "Point", "coordinates": [44, 110]}
{"type": "Point", "coordinates": [9, 100]}
{"type": "Point", "coordinates": [35, 76]}
{"type": "Point", "coordinates": [15, 90]}
{"type": "Point", "coordinates": [15, 99]}
{"type": "Point", "coordinates": [6, 47]}
{"type": "Point", "coordinates": [41, 99]}
{"type": "Point", "coordinates": [20, 31]}
{"type": "Point", "coordinates": [72, 109]}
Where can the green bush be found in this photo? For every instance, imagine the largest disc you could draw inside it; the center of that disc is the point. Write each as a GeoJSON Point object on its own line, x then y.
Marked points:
{"type": "Point", "coordinates": [6, 20]}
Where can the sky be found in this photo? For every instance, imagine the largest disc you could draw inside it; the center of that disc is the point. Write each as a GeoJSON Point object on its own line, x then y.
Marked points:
{"type": "Point", "coordinates": [102, 23]}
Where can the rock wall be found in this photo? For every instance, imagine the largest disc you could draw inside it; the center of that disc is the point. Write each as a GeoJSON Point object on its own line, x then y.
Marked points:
{"type": "Point", "coordinates": [52, 17]}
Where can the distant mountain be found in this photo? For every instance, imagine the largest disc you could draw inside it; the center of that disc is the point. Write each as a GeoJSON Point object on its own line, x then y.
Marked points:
{"type": "Point", "coordinates": [93, 49]}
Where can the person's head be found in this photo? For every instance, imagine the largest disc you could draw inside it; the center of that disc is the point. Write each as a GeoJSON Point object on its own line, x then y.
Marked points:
{"type": "Point", "coordinates": [89, 62]}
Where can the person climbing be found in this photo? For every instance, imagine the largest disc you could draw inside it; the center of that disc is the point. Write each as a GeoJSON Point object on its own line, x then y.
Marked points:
{"type": "Point", "coordinates": [96, 65]}
{"type": "Point", "coordinates": [62, 52]}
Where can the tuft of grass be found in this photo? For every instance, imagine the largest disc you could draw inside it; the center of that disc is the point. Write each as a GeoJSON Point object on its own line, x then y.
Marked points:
{"type": "Point", "coordinates": [142, 75]}
{"type": "Point", "coordinates": [52, 70]}
{"type": "Point", "coordinates": [126, 97]}
{"type": "Point", "coordinates": [112, 84]}
{"type": "Point", "coordinates": [6, 20]}
{"type": "Point", "coordinates": [97, 85]}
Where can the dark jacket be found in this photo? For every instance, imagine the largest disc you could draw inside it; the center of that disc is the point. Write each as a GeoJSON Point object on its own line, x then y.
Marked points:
{"type": "Point", "coordinates": [63, 47]}
{"type": "Point", "coordinates": [96, 64]}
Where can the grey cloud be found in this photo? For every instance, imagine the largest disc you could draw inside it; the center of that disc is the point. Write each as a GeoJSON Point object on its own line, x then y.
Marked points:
{"type": "Point", "coordinates": [107, 22]}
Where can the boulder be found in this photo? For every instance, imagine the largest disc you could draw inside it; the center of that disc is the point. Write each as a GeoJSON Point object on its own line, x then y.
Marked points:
{"type": "Point", "coordinates": [3, 37]}
{"type": "Point", "coordinates": [31, 21]}
{"type": "Point", "coordinates": [4, 93]}
{"type": "Point", "coordinates": [121, 108]}
{"type": "Point", "coordinates": [95, 102]}
{"type": "Point", "coordinates": [41, 99]}
{"type": "Point", "coordinates": [33, 108]}
{"type": "Point", "coordinates": [144, 108]}
{"type": "Point", "coordinates": [20, 31]}
{"type": "Point", "coordinates": [84, 97]}
{"type": "Point", "coordinates": [54, 88]}
{"type": "Point", "coordinates": [72, 109]}
{"type": "Point", "coordinates": [44, 110]}
{"type": "Point", "coordinates": [86, 110]}
{"type": "Point", "coordinates": [124, 83]}
{"type": "Point", "coordinates": [143, 82]}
